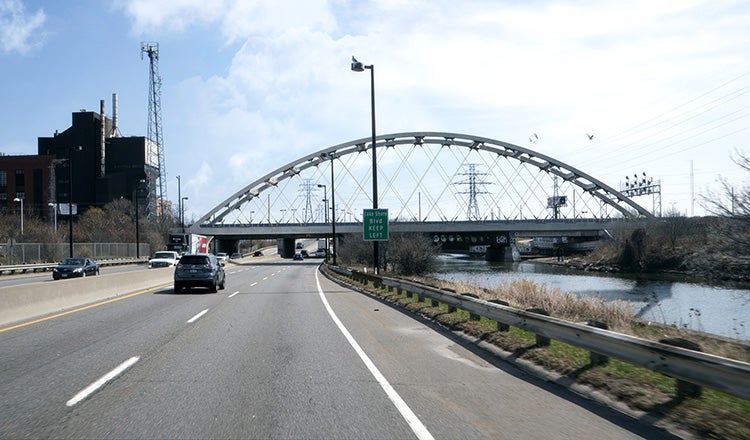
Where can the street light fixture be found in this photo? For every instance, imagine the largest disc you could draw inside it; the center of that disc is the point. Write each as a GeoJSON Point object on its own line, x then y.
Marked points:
{"type": "Point", "coordinates": [359, 67]}
{"type": "Point", "coordinates": [18, 199]}
{"type": "Point", "coordinates": [70, 196]}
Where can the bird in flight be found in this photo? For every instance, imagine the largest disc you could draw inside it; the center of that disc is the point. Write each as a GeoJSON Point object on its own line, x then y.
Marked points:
{"type": "Point", "coordinates": [590, 136]}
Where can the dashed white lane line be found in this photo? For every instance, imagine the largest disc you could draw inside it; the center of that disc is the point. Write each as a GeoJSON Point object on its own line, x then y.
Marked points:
{"type": "Point", "coordinates": [414, 423]}
{"type": "Point", "coordinates": [102, 381]}
{"type": "Point", "coordinates": [235, 293]}
{"type": "Point", "coordinates": [253, 284]}
{"type": "Point", "coordinates": [196, 317]}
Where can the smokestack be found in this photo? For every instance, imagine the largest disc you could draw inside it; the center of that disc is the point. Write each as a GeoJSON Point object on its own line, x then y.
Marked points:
{"type": "Point", "coordinates": [114, 115]}
{"type": "Point", "coordinates": [101, 138]}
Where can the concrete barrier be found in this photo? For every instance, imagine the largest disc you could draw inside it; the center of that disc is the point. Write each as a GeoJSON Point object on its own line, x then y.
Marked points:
{"type": "Point", "coordinates": [26, 301]}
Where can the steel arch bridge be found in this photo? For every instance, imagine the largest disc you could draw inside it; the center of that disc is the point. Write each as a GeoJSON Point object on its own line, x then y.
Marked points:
{"type": "Point", "coordinates": [423, 176]}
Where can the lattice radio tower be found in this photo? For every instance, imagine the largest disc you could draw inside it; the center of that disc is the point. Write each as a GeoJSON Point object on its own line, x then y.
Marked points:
{"type": "Point", "coordinates": [472, 212]}
{"type": "Point", "coordinates": [155, 145]}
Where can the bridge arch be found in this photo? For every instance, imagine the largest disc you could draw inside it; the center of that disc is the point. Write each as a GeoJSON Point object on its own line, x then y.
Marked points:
{"type": "Point", "coordinates": [607, 197]}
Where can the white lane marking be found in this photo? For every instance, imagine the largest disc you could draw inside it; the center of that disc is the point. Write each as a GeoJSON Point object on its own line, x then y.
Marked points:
{"type": "Point", "coordinates": [253, 284]}
{"type": "Point", "coordinates": [235, 293]}
{"type": "Point", "coordinates": [102, 380]}
{"type": "Point", "coordinates": [265, 278]}
{"type": "Point", "coordinates": [414, 423]}
{"type": "Point", "coordinates": [195, 318]}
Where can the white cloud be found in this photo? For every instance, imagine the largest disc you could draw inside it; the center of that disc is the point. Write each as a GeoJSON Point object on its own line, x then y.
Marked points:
{"type": "Point", "coordinates": [20, 31]}
{"type": "Point", "coordinates": [496, 69]}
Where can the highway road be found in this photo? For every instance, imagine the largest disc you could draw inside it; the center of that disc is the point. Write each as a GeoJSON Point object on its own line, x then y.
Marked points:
{"type": "Point", "coordinates": [282, 352]}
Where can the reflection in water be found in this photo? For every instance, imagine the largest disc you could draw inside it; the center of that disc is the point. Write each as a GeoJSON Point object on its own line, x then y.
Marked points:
{"type": "Point", "coordinates": [711, 309]}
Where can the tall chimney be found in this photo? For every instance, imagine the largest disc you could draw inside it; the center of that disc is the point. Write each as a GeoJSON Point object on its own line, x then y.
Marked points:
{"type": "Point", "coordinates": [101, 138]}
{"type": "Point", "coordinates": [114, 115]}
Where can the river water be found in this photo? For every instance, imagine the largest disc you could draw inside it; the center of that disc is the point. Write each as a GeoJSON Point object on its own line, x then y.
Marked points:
{"type": "Point", "coordinates": [718, 310]}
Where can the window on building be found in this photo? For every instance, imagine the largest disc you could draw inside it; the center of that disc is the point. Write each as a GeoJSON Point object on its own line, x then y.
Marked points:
{"type": "Point", "coordinates": [20, 178]}
{"type": "Point", "coordinates": [3, 179]}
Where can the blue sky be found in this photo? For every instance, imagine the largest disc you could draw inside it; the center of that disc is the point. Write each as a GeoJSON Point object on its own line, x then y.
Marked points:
{"type": "Point", "coordinates": [249, 86]}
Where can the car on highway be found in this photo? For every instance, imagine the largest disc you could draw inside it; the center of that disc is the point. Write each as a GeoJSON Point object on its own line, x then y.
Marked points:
{"type": "Point", "coordinates": [199, 270]}
{"type": "Point", "coordinates": [299, 246]}
{"type": "Point", "coordinates": [320, 253]}
{"type": "Point", "coordinates": [222, 256]}
{"type": "Point", "coordinates": [298, 256]}
{"type": "Point", "coordinates": [304, 253]}
{"type": "Point", "coordinates": [163, 259]}
{"type": "Point", "coordinates": [258, 254]}
{"type": "Point", "coordinates": [75, 267]}
{"type": "Point", "coordinates": [235, 256]}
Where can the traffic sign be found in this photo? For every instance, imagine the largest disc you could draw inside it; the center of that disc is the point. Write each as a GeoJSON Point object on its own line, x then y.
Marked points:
{"type": "Point", "coordinates": [375, 223]}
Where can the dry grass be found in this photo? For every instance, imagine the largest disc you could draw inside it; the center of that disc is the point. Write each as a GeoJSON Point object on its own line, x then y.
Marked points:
{"type": "Point", "coordinates": [526, 294]}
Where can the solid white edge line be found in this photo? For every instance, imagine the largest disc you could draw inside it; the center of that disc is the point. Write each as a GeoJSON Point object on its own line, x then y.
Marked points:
{"type": "Point", "coordinates": [414, 423]}
{"type": "Point", "coordinates": [103, 380]}
{"type": "Point", "coordinates": [195, 318]}
{"type": "Point", "coordinates": [235, 293]}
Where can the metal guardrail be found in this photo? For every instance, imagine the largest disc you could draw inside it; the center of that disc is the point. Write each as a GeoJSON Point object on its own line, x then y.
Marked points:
{"type": "Point", "coordinates": [46, 267]}
{"type": "Point", "coordinates": [727, 375]}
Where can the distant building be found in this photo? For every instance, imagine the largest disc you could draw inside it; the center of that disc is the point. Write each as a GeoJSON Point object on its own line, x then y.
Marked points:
{"type": "Point", "coordinates": [27, 178]}
{"type": "Point", "coordinates": [104, 167]}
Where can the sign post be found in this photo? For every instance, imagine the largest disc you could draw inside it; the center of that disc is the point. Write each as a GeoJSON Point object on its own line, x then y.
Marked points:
{"type": "Point", "coordinates": [375, 223]}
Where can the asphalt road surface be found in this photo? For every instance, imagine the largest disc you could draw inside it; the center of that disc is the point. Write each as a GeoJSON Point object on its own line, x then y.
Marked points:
{"type": "Point", "coordinates": [282, 352]}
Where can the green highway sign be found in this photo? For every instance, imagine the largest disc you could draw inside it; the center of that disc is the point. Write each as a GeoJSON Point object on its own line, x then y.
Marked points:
{"type": "Point", "coordinates": [375, 223]}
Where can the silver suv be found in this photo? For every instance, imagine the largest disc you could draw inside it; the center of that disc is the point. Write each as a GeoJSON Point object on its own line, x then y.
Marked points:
{"type": "Point", "coordinates": [199, 270]}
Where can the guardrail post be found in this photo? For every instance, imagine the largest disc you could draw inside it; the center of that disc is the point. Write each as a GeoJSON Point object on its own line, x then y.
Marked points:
{"type": "Point", "coordinates": [594, 357]}
{"type": "Point", "coordinates": [472, 316]}
{"type": "Point", "coordinates": [684, 389]}
{"type": "Point", "coordinates": [541, 341]}
{"type": "Point", "coordinates": [434, 303]}
{"type": "Point", "coordinates": [501, 326]}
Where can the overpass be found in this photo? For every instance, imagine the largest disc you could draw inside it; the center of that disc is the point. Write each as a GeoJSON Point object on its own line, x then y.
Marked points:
{"type": "Point", "coordinates": [436, 183]}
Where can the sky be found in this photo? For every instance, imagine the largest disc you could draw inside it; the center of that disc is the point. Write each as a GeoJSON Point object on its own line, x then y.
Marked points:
{"type": "Point", "coordinates": [248, 86]}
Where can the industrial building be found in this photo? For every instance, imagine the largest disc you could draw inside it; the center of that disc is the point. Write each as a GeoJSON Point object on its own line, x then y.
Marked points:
{"type": "Point", "coordinates": [89, 160]}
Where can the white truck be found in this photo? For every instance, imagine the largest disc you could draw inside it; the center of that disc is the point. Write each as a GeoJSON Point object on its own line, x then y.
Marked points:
{"type": "Point", "coordinates": [163, 259]}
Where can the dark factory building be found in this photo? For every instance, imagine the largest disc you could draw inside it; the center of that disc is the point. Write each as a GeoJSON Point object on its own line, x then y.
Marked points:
{"type": "Point", "coordinates": [105, 167]}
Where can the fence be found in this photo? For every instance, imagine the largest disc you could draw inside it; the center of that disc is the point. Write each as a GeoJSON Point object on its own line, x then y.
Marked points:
{"type": "Point", "coordinates": [17, 253]}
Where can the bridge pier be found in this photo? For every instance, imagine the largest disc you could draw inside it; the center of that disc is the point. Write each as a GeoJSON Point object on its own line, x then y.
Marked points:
{"type": "Point", "coordinates": [499, 253]}
{"type": "Point", "coordinates": [286, 247]}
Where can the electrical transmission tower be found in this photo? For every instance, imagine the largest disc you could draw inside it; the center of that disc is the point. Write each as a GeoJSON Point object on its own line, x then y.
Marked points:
{"type": "Point", "coordinates": [307, 189]}
{"type": "Point", "coordinates": [155, 147]}
{"type": "Point", "coordinates": [472, 212]}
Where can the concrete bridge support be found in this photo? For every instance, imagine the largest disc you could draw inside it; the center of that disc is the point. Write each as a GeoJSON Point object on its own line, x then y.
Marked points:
{"type": "Point", "coordinates": [286, 247]}
{"type": "Point", "coordinates": [499, 253]}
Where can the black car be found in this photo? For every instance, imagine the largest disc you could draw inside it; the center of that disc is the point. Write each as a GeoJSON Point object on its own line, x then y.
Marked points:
{"type": "Point", "coordinates": [199, 270]}
{"type": "Point", "coordinates": [257, 254]}
{"type": "Point", "coordinates": [75, 267]}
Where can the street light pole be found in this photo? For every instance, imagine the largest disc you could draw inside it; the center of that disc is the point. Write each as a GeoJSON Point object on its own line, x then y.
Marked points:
{"type": "Point", "coordinates": [54, 208]}
{"type": "Point", "coordinates": [179, 204]}
{"type": "Point", "coordinates": [182, 213]}
{"type": "Point", "coordinates": [359, 67]}
{"type": "Point", "coordinates": [333, 212]}
{"type": "Point", "coordinates": [325, 205]}
{"type": "Point", "coordinates": [70, 197]}
{"type": "Point", "coordinates": [18, 199]}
